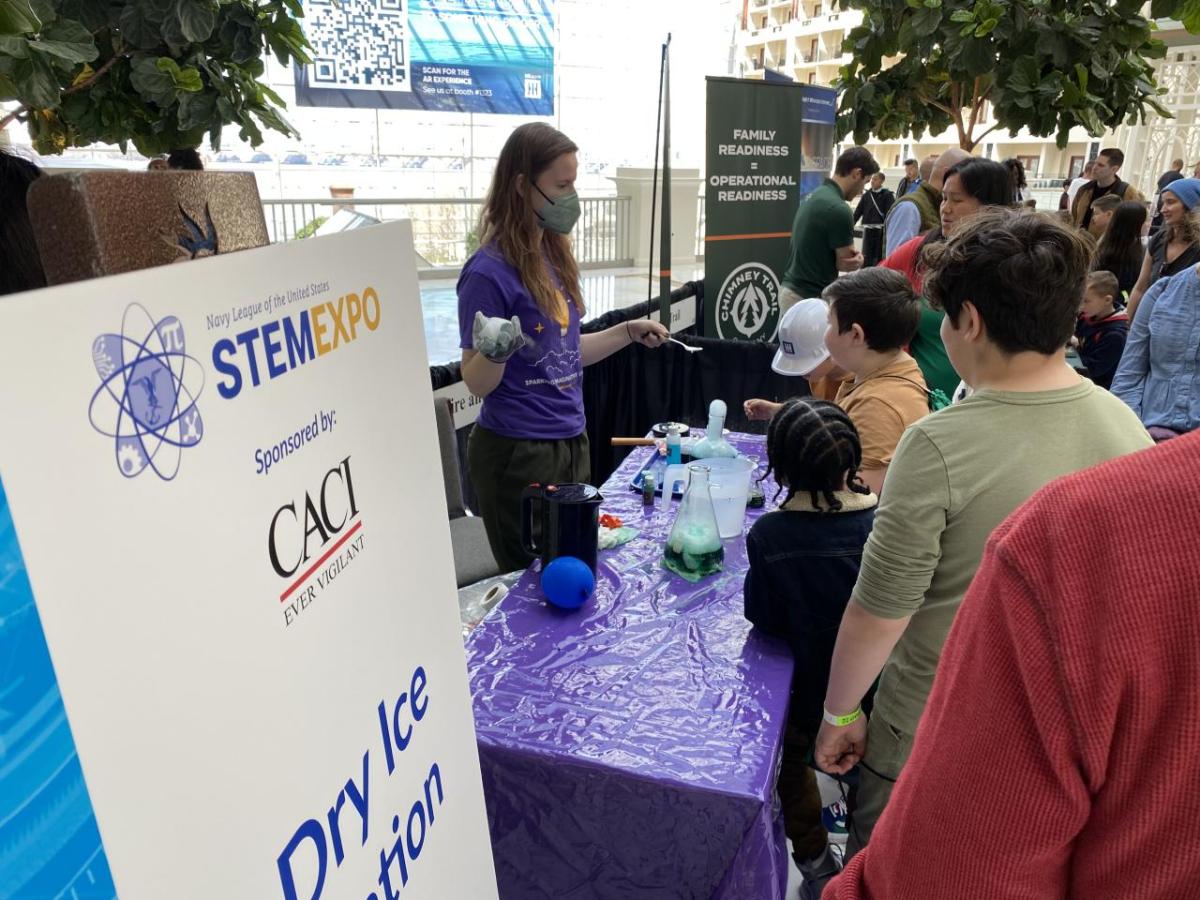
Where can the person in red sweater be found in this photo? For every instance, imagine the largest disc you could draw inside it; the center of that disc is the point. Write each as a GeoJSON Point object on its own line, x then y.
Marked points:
{"type": "Point", "coordinates": [1056, 757]}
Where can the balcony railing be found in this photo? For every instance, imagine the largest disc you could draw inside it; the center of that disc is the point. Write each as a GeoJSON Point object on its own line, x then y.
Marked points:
{"type": "Point", "coordinates": [444, 229]}
{"type": "Point", "coordinates": [819, 56]}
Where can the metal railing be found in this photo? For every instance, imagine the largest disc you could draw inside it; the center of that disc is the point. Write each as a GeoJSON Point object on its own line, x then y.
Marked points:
{"type": "Point", "coordinates": [804, 58]}
{"type": "Point", "coordinates": [444, 228]}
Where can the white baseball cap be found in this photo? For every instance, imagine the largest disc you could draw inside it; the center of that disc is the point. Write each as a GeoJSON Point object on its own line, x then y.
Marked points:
{"type": "Point", "coordinates": [802, 338]}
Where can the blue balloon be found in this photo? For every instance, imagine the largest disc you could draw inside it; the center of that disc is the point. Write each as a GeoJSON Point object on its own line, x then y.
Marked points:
{"type": "Point", "coordinates": [567, 582]}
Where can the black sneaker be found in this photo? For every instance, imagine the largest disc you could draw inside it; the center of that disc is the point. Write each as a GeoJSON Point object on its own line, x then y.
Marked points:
{"type": "Point", "coordinates": [817, 873]}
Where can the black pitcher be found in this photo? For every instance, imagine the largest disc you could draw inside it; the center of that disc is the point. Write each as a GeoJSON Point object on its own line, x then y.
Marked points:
{"type": "Point", "coordinates": [569, 515]}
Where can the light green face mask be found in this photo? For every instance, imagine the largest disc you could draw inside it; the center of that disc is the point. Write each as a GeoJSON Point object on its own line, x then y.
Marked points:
{"type": "Point", "coordinates": [561, 214]}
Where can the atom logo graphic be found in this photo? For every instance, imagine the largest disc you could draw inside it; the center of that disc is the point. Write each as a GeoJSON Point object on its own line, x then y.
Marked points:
{"type": "Point", "coordinates": [147, 396]}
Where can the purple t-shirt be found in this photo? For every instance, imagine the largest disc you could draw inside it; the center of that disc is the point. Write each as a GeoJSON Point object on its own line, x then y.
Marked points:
{"type": "Point", "coordinates": [540, 396]}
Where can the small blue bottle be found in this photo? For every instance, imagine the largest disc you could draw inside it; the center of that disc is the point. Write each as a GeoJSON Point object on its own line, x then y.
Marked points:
{"type": "Point", "coordinates": [674, 448]}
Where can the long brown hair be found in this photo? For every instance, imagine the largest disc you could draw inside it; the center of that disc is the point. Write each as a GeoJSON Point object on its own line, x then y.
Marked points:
{"type": "Point", "coordinates": [1188, 229]}
{"type": "Point", "coordinates": [509, 218]}
{"type": "Point", "coordinates": [1120, 249]}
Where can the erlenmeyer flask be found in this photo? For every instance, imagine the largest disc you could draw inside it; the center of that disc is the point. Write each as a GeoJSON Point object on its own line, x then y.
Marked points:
{"type": "Point", "coordinates": [694, 548]}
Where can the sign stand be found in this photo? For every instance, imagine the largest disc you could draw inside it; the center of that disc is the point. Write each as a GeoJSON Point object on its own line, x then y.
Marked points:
{"type": "Point", "coordinates": [234, 537]}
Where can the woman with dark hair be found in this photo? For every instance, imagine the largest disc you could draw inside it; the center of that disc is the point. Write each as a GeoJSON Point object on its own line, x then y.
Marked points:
{"type": "Point", "coordinates": [20, 264]}
{"type": "Point", "coordinates": [1121, 250]}
{"type": "Point", "coordinates": [1176, 246]}
{"type": "Point", "coordinates": [1016, 179]}
{"type": "Point", "coordinates": [519, 311]}
{"type": "Point", "coordinates": [969, 186]}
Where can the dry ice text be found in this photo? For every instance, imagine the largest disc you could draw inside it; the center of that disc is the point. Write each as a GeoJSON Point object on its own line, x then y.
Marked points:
{"type": "Point", "coordinates": [311, 858]}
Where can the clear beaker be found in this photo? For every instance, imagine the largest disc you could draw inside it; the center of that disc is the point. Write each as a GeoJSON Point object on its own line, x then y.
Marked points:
{"type": "Point", "coordinates": [729, 486]}
{"type": "Point", "coordinates": [694, 548]}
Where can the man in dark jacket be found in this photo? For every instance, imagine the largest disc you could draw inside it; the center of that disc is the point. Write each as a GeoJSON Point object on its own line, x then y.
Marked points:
{"type": "Point", "coordinates": [872, 209]}
{"type": "Point", "coordinates": [1104, 181]}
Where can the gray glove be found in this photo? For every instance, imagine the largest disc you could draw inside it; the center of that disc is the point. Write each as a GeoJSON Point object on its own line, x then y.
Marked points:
{"type": "Point", "coordinates": [497, 338]}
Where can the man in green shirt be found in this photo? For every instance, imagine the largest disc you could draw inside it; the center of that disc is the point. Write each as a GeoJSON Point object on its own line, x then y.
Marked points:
{"type": "Point", "coordinates": [823, 231]}
{"type": "Point", "coordinates": [1010, 284]}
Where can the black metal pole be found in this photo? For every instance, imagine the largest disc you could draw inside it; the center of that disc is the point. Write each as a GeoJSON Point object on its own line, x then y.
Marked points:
{"type": "Point", "coordinates": [662, 65]}
{"type": "Point", "coordinates": [664, 253]}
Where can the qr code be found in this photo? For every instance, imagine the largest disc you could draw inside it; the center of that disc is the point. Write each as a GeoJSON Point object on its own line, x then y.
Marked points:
{"type": "Point", "coordinates": [358, 45]}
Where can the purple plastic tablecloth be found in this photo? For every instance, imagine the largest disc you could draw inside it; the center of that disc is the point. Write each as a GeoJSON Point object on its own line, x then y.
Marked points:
{"type": "Point", "coordinates": [629, 749]}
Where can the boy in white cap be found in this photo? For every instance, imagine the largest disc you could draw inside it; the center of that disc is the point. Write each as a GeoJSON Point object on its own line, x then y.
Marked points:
{"type": "Point", "coordinates": [860, 329]}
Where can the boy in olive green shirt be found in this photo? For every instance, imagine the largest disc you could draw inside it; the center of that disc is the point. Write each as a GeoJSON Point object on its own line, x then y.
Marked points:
{"type": "Point", "coordinates": [1010, 284]}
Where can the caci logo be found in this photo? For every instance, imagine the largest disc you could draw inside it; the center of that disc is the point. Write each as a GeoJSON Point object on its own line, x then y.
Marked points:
{"type": "Point", "coordinates": [325, 524]}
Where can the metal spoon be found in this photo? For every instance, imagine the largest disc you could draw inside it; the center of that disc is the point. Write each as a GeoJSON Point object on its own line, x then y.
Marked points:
{"type": "Point", "coordinates": [688, 347]}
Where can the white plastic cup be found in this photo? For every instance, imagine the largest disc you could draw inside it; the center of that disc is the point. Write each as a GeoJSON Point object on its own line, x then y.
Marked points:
{"type": "Point", "coordinates": [729, 483]}
{"type": "Point", "coordinates": [675, 480]}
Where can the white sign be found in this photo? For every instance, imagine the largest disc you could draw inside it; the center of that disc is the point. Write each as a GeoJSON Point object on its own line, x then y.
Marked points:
{"type": "Point", "coordinates": [225, 481]}
{"type": "Point", "coordinates": [464, 405]}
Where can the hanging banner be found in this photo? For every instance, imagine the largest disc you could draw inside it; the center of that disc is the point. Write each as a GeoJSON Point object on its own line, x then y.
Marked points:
{"type": "Point", "coordinates": [818, 135]}
{"type": "Point", "coordinates": [231, 522]}
{"type": "Point", "coordinates": [768, 144]}
{"type": "Point", "coordinates": [449, 55]}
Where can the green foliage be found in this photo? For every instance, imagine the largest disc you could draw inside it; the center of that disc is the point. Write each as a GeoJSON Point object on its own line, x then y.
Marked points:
{"type": "Point", "coordinates": [159, 73]}
{"type": "Point", "coordinates": [1045, 65]}
{"type": "Point", "coordinates": [1186, 11]}
{"type": "Point", "coordinates": [310, 228]}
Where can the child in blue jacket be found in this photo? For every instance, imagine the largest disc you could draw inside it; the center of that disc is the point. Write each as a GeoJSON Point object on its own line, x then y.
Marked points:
{"type": "Point", "coordinates": [1101, 330]}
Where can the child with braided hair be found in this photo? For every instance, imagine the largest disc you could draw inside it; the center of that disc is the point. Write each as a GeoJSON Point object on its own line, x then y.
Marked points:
{"type": "Point", "coordinates": [804, 560]}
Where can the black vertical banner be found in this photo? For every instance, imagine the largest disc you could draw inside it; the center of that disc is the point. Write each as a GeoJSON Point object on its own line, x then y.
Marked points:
{"type": "Point", "coordinates": [768, 144]}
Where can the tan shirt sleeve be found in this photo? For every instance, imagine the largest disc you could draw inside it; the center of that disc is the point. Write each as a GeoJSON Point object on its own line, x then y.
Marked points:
{"type": "Point", "coordinates": [879, 427]}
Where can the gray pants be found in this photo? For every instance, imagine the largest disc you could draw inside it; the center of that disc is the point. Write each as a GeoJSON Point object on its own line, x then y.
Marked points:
{"type": "Point", "coordinates": [888, 749]}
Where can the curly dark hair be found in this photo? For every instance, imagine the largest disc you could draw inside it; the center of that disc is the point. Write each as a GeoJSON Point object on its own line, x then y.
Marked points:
{"type": "Point", "coordinates": [1024, 272]}
{"type": "Point", "coordinates": [813, 446]}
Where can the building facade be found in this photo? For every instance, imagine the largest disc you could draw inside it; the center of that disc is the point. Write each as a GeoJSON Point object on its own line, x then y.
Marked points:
{"type": "Point", "coordinates": [803, 40]}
